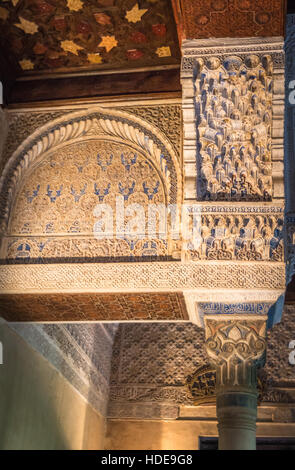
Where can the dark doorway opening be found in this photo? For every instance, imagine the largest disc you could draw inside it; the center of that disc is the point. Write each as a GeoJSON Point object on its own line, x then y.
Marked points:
{"type": "Point", "coordinates": [262, 443]}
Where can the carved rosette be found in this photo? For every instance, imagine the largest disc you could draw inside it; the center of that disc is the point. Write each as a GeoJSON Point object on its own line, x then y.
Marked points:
{"type": "Point", "coordinates": [236, 347]}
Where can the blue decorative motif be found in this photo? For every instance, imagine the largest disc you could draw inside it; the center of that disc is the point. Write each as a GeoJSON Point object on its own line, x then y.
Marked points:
{"type": "Point", "coordinates": [221, 308]}
{"type": "Point", "coordinates": [26, 228]}
{"type": "Point", "coordinates": [163, 160]}
{"type": "Point", "coordinates": [35, 194]}
{"type": "Point", "coordinates": [150, 192]}
{"type": "Point", "coordinates": [128, 162]}
{"type": "Point", "coordinates": [125, 191]}
{"type": "Point", "coordinates": [101, 193]}
{"type": "Point", "coordinates": [49, 228]}
{"type": "Point", "coordinates": [81, 167]}
{"type": "Point", "coordinates": [105, 164]}
{"type": "Point", "coordinates": [77, 197]}
{"type": "Point", "coordinates": [75, 228]}
{"type": "Point", "coordinates": [130, 242]}
{"type": "Point", "coordinates": [23, 251]}
{"type": "Point", "coordinates": [41, 245]}
{"type": "Point", "coordinates": [149, 249]}
{"type": "Point", "coordinates": [49, 193]}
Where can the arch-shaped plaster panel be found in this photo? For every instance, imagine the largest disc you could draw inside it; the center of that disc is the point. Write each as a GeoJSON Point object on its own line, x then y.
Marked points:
{"type": "Point", "coordinates": [89, 135]}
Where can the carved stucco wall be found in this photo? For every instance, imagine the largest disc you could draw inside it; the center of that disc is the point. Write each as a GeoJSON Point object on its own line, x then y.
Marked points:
{"type": "Point", "coordinates": [23, 123]}
{"type": "Point", "coordinates": [3, 131]}
{"type": "Point", "coordinates": [151, 363]}
{"type": "Point", "coordinates": [149, 366]}
{"type": "Point", "coordinates": [233, 108]}
{"type": "Point", "coordinates": [80, 352]}
{"type": "Point", "coordinates": [233, 114]}
{"type": "Point", "coordinates": [289, 142]}
{"type": "Point", "coordinates": [77, 161]}
{"type": "Point", "coordinates": [139, 370]}
{"type": "Point", "coordinates": [78, 157]}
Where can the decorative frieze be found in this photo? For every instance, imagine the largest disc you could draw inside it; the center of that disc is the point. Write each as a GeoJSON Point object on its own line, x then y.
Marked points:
{"type": "Point", "coordinates": [159, 276]}
{"type": "Point", "coordinates": [243, 236]}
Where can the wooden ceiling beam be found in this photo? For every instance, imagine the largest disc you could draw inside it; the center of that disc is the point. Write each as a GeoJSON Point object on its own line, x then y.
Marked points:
{"type": "Point", "coordinates": [95, 86]}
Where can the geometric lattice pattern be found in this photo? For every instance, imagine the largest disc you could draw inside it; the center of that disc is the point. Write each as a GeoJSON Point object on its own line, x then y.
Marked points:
{"type": "Point", "coordinates": [92, 307]}
{"type": "Point", "coordinates": [159, 354]}
{"type": "Point", "coordinates": [228, 18]}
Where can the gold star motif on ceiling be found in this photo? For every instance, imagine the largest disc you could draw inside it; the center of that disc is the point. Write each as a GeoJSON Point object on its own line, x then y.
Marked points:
{"type": "Point", "coordinates": [26, 64]}
{"type": "Point", "coordinates": [94, 58]}
{"type": "Point", "coordinates": [74, 5]}
{"type": "Point", "coordinates": [134, 15]}
{"type": "Point", "coordinates": [70, 46]}
{"type": "Point", "coordinates": [108, 42]}
{"type": "Point", "coordinates": [27, 26]}
{"type": "Point", "coordinates": [3, 14]}
{"type": "Point", "coordinates": [163, 51]}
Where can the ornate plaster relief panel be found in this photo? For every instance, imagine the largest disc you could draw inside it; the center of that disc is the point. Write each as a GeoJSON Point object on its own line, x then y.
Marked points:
{"type": "Point", "coordinates": [237, 232]}
{"type": "Point", "coordinates": [233, 113]}
{"type": "Point", "coordinates": [81, 353]}
{"type": "Point", "coordinates": [78, 162]}
{"type": "Point", "coordinates": [54, 178]}
{"type": "Point", "coordinates": [151, 365]}
{"type": "Point", "coordinates": [289, 142]}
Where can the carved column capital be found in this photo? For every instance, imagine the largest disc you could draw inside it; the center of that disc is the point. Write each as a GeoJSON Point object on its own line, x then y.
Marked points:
{"type": "Point", "coordinates": [236, 346]}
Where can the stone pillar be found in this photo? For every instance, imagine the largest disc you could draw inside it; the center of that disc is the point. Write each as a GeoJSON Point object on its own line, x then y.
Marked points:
{"type": "Point", "coordinates": [236, 346]}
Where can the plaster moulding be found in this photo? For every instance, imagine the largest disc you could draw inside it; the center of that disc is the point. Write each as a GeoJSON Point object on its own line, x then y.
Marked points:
{"type": "Point", "coordinates": [230, 282]}
{"type": "Point", "coordinates": [247, 302]}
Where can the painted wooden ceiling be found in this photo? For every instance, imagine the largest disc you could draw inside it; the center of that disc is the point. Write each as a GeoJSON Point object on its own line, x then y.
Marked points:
{"type": "Point", "coordinates": [45, 36]}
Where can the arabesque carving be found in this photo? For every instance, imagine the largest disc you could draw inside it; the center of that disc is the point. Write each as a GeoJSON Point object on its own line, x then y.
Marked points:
{"type": "Point", "coordinates": [114, 126]}
{"type": "Point", "coordinates": [56, 204]}
{"type": "Point", "coordinates": [74, 164]}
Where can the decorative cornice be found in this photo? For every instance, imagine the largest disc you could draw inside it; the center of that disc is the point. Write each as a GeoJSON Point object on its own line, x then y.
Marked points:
{"type": "Point", "coordinates": [221, 48]}
{"type": "Point", "coordinates": [130, 277]}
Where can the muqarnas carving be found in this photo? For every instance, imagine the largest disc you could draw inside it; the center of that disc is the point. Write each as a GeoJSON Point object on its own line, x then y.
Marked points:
{"type": "Point", "coordinates": [233, 100]}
